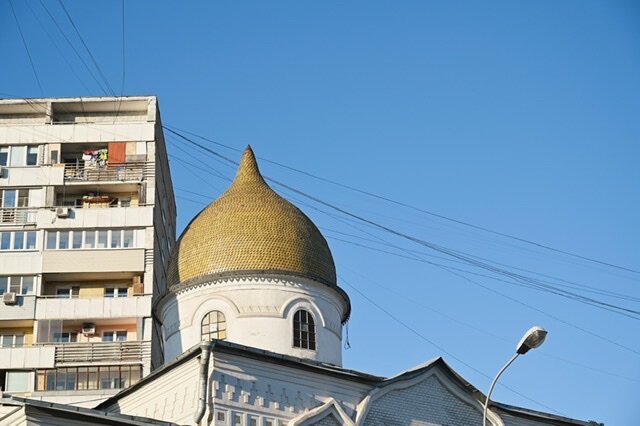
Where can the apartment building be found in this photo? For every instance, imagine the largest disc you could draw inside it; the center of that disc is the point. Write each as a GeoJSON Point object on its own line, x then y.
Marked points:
{"type": "Point", "coordinates": [87, 225]}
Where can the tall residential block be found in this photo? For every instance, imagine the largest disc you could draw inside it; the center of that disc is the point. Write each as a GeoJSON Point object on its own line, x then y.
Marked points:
{"type": "Point", "coordinates": [87, 226]}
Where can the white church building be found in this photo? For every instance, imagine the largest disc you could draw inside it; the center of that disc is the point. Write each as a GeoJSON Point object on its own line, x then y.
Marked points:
{"type": "Point", "coordinates": [251, 335]}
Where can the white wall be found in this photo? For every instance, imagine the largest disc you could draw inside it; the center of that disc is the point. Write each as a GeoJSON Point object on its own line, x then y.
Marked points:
{"type": "Point", "coordinates": [259, 313]}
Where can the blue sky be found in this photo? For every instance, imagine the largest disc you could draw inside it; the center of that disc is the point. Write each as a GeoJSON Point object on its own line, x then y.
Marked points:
{"type": "Point", "coordinates": [518, 117]}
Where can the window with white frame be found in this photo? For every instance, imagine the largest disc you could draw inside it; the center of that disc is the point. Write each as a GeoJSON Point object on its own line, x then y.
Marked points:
{"type": "Point", "coordinates": [19, 155]}
{"type": "Point", "coordinates": [19, 284]}
{"type": "Point", "coordinates": [18, 240]}
{"type": "Point", "coordinates": [65, 337]}
{"type": "Point", "coordinates": [116, 292]}
{"type": "Point", "coordinates": [114, 336]}
{"type": "Point", "coordinates": [77, 239]}
{"type": "Point", "coordinates": [14, 197]}
{"type": "Point", "coordinates": [68, 292]}
{"type": "Point", "coordinates": [304, 330]}
{"type": "Point", "coordinates": [11, 340]}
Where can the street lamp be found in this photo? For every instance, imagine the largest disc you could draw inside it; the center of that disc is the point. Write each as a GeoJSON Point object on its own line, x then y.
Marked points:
{"type": "Point", "coordinates": [533, 338]}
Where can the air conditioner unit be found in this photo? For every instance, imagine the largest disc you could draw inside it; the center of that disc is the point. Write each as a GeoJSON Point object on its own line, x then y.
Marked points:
{"type": "Point", "coordinates": [62, 212]}
{"type": "Point", "coordinates": [10, 298]}
{"type": "Point", "coordinates": [88, 328]}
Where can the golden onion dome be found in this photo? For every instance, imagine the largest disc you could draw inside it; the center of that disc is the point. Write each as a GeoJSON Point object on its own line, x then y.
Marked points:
{"type": "Point", "coordinates": [251, 230]}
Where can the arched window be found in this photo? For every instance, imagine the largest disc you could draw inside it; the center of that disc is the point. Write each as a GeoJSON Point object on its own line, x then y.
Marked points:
{"type": "Point", "coordinates": [304, 330]}
{"type": "Point", "coordinates": [214, 326]}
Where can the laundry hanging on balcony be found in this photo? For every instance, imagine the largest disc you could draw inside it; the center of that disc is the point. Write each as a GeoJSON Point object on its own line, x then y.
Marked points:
{"type": "Point", "coordinates": [96, 157]}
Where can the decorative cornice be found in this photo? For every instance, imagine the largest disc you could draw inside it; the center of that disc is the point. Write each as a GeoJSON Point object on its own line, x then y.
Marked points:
{"type": "Point", "coordinates": [279, 277]}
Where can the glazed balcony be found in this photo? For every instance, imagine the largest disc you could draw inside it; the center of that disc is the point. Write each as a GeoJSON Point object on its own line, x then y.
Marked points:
{"type": "Point", "coordinates": [103, 352]}
{"type": "Point", "coordinates": [94, 308]}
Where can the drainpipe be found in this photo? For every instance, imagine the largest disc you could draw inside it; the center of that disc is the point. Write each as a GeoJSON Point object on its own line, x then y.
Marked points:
{"type": "Point", "coordinates": [204, 375]}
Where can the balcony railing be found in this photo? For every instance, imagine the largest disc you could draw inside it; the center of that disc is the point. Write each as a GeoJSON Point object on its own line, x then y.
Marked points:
{"type": "Point", "coordinates": [123, 172]}
{"type": "Point", "coordinates": [108, 352]}
{"type": "Point", "coordinates": [17, 215]}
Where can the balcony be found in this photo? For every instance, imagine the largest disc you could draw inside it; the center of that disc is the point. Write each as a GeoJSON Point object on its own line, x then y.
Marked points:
{"type": "Point", "coordinates": [114, 217]}
{"type": "Point", "coordinates": [24, 309]}
{"type": "Point", "coordinates": [97, 261]}
{"type": "Point", "coordinates": [18, 215]}
{"type": "Point", "coordinates": [92, 308]}
{"type": "Point", "coordinates": [103, 352]}
{"type": "Point", "coordinates": [113, 172]}
{"type": "Point", "coordinates": [27, 357]}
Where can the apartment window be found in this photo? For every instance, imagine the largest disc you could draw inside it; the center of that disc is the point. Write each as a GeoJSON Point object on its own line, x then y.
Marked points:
{"type": "Point", "coordinates": [77, 240]}
{"type": "Point", "coordinates": [63, 239]}
{"type": "Point", "coordinates": [90, 239]}
{"type": "Point", "coordinates": [17, 284]}
{"type": "Point", "coordinates": [116, 292]}
{"type": "Point", "coordinates": [304, 330]}
{"type": "Point", "coordinates": [114, 336]}
{"type": "Point", "coordinates": [87, 378]}
{"type": "Point", "coordinates": [269, 422]}
{"type": "Point", "coordinates": [65, 337]}
{"type": "Point", "coordinates": [68, 292]}
{"type": "Point", "coordinates": [18, 240]}
{"type": "Point", "coordinates": [214, 326]}
{"type": "Point", "coordinates": [127, 238]}
{"type": "Point", "coordinates": [14, 198]}
{"type": "Point", "coordinates": [19, 155]}
{"type": "Point", "coordinates": [102, 239]}
{"type": "Point", "coordinates": [253, 421]}
{"type": "Point", "coordinates": [221, 417]}
{"type": "Point", "coordinates": [12, 340]}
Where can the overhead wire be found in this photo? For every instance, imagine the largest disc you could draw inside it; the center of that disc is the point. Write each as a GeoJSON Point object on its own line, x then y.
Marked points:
{"type": "Point", "coordinates": [475, 328]}
{"type": "Point", "coordinates": [64, 35]}
{"type": "Point", "coordinates": [26, 47]}
{"type": "Point", "coordinates": [412, 207]}
{"type": "Point", "coordinates": [410, 238]}
{"type": "Point", "coordinates": [93, 59]}
{"type": "Point", "coordinates": [605, 372]}
{"type": "Point", "coordinates": [57, 47]}
{"type": "Point", "coordinates": [439, 347]}
{"type": "Point", "coordinates": [621, 310]}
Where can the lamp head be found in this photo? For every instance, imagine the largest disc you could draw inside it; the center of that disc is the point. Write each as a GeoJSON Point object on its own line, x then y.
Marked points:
{"type": "Point", "coordinates": [533, 338]}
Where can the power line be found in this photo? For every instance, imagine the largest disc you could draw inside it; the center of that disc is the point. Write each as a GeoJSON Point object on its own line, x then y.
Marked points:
{"type": "Point", "coordinates": [93, 59]}
{"type": "Point", "coordinates": [26, 47]}
{"type": "Point", "coordinates": [483, 331]}
{"type": "Point", "coordinates": [58, 49]}
{"type": "Point", "coordinates": [438, 248]}
{"type": "Point", "coordinates": [64, 35]}
{"type": "Point", "coordinates": [428, 212]}
{"type": "Point", "coordinates": [439, 347]}
{"type": "Point", "coordinates": [621, 310]}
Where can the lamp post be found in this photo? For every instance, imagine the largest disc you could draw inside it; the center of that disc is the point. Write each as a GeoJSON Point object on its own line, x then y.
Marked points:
{"type": "Point", "coordinates": [533, 338]}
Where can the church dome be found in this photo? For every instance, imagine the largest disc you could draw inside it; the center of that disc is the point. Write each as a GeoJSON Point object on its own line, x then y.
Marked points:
{"type": "Point", "coordinates": [251, 230]}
